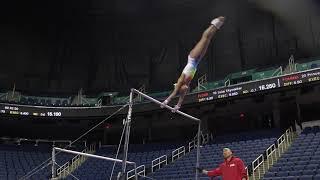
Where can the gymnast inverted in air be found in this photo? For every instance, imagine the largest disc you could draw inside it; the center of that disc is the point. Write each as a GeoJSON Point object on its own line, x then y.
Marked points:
{"type": "Point", "coordinates": [194, 58]}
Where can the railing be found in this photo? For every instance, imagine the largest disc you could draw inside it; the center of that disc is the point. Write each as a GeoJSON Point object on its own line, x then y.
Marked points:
{"type": "Point", "coordinates": [277, 72]}
{"type": "Point", "coordinates": [75, 162]}
{"type": "Point", "coordinates": [205, 138]}
{"type": "Point", "coordinates": [99, 103]}
{"type": "Point", "coordinates": [201, 81]}
{"type": "Point", "coordinates": [63, 170]}
{"type": "Point", "coordinates": [13, 96]}
{"type": "Point", "coordinates": [158, 162]}
{"type": "Point", "coordinates": [143, 90]}
{"type": "Point", "coordinates": [192, 145]}
{"type": "Point", "coordinates": [281, 143]}
{"type": "Point", "coordinates": [292, 64]}
{"type": "Point", "coordinates": [141, 170]}
{"type": "Point", "coordinates": [227, 82]}
{"type": "Point", "coordinates": [55, 149]}
{"type": "Point", "coordinates": [271, 155]}
{"type": "Point", "coordinates": [256, 164]}
{"type": "Point", "coordinates": [3, 95]}
{"type": "Point", "coordinates": [123, 100]}
{"type": "Point", "coordinates": [37, 141]}
{"type": "Point", "coordinates": [289, 135]}
{"type": "Point", "coordinates": [284, 141]}
{"type": "Point", "coordinates": [176, 154]}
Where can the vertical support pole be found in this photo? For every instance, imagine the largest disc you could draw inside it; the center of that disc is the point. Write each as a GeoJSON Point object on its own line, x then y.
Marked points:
{"type": "Point", "coordinates": [299, 116]}
{"type": "Point", "coordinates": [53, 169]}
{"type": "Point", "coordinates": [259, 173]}
{"type": "Point", "coordinates": [135, 171]}
{"type": "Point", "coordinates": [127, 135]}
{"type": "Point", "coordinates": [264, 168]}
{"type": "Point", "coordinates": [198, 150]}
{"type": "Point", "coordinates": [253, 175]}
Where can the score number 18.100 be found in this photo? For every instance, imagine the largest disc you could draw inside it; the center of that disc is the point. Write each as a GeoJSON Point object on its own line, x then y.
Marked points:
{"type": "Point", "coordinates": [267, 86]}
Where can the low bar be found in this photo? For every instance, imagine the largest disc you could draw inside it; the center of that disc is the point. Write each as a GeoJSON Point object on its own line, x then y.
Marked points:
{"type": "Point", "coordinates": [91, 155]}
{"type": "Point", "coordinates": [166, 106]}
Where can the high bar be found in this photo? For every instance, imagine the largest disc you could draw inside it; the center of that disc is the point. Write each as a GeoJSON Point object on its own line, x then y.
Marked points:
{"type": "Point", "coordinates": [91, 155]}
{"type": "Point", "coordinates": [166, 106]}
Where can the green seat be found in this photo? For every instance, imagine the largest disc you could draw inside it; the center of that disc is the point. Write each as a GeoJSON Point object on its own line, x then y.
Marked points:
{"type": "Point", "coordinates": [264, 74]}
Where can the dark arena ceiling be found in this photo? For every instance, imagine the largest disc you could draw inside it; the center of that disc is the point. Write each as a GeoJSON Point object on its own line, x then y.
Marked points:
{"type": "Point", "coordinates": [62, 46]}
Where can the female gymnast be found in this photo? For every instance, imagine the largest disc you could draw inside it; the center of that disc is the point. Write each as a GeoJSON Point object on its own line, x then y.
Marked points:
{"type": "Point", "coordinates": [194, 59]}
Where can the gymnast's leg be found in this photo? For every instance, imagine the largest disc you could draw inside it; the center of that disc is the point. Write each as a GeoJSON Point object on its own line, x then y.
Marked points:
{"type": "Point", "coordinates": [201, 47]}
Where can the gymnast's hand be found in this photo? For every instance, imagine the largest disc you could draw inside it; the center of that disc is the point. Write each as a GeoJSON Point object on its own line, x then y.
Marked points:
{"type": "Point", "coordinates": [176, 108]}
{"type": "Point", "coordinates": [164, 103]}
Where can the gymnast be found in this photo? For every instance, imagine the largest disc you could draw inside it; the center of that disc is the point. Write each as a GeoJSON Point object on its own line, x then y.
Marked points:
{"type": "Point", "coordinates": [194, 58]}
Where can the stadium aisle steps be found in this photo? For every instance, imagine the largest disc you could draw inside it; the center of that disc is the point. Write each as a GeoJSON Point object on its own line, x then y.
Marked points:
{"type": "Point", "coordinates": [302, 160]}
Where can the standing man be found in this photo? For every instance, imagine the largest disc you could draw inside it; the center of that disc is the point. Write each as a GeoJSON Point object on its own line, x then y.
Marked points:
{"type": "Point", "coordinates": [231, 169]}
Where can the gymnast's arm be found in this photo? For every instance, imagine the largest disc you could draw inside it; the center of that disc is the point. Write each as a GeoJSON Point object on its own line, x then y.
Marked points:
{"type": "Point", "coordinates": [183, 92]}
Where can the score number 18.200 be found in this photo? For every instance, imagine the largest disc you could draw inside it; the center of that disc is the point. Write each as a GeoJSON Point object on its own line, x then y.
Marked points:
{"type": "Point", "coordinates": [267, 86]}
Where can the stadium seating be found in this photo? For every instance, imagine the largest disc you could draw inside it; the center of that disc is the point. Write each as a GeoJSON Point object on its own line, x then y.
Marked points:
{"type": "Point", "coordinates": [245, 136]}
{"type": "Point", "coordinates": [302, 160]}
{"type": "Point", "coordinates": [211, 156]}
{"type": "Point", "coordinates": [141, 154]}
{"type": "Point", "coordinates": [211, 85]}
{"type": "Point", "coordinates": [16, 161]}
{"type": "Point", "coordinates": [244, 145]}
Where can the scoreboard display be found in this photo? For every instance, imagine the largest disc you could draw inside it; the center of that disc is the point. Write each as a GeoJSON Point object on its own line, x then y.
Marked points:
{"type": "Point", "coordinates": [21, 110]}
{"type": "Point", "coordinates": [238, 90]}
{"type": "Point", "coordinates": [247, 88]}
{"type": "Point", "coordinates": [262, 85]}
{"type": "Point", "coordinates": [28, 110]}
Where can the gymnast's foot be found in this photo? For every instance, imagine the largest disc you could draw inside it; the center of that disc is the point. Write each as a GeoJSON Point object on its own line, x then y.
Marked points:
{"type": "Point", "coordinates": [164, 103]}
{"type": "Point", "coordinates": [176, 108]}
{"type": "Point", "coordinates": [218, 22]}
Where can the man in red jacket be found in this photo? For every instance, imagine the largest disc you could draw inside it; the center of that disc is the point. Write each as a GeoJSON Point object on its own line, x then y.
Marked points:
{"type": "Point", "coordinates": [231, 169]}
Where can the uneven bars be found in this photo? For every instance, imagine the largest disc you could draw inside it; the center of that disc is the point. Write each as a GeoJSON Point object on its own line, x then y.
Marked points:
{"type": "Point", "coordinates": [91, 155]}
{"type": "Point", "coordinates": [166, 106]}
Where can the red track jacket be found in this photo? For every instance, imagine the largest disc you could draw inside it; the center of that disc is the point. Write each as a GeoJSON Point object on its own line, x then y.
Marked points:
{"type": "Point", "coordinates": [232, 170]}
